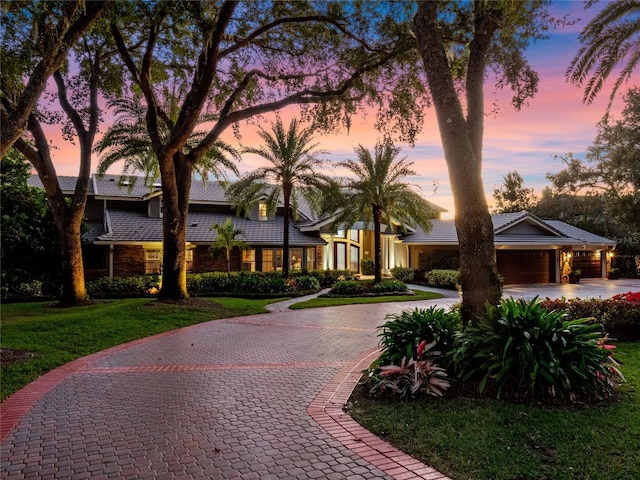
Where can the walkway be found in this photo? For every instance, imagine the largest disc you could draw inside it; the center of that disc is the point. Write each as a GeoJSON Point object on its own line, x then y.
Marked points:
{"type": "Point", "coordinates": [258, 397]}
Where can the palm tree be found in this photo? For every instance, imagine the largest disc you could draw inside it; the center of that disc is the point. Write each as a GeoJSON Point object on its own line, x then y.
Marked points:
{"type": "Point", "coordinates": [293, 173]}
{"type": "Point", "coordinates": [227, 240]}
{"type": "Point", "coordinates": [609, 39]}
{"type": "Point", "coordinates": [377, 193]}
{"type": "Point", "coordinates": [127, 140]}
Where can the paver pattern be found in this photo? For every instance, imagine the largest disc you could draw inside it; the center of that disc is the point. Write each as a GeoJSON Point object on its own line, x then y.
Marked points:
{"type": "Point", "coordinates": [257, 397]}
{"type": "Point", "coordinates": [248, 397]}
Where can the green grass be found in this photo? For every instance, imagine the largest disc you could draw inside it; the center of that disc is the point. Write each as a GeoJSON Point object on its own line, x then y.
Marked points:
{"type": "Point", "coordinates": [59, 335]}
{"type": "Point", "coordinates": [482, 439]}
{"type": "Point", "coordinates": [335, 301]}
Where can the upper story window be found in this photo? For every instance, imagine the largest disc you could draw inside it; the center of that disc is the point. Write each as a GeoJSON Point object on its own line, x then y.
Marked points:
{"type": "Point", "coordinates": [263, 214]}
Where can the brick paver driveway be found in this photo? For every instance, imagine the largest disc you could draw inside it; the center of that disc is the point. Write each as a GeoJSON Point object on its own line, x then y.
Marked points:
{"type": "Point", "coordinates": [252, 397]}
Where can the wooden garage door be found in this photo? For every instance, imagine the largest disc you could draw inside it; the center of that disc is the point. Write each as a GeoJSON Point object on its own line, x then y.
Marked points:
{"type": "Point", "coordinates": [524, 266]}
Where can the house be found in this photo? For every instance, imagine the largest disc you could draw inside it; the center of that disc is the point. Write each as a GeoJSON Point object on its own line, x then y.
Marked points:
{"type": "Point", "coordinates": [124, 238]}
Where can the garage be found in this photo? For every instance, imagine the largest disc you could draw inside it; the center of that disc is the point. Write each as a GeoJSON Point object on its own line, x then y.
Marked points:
{"type": "Point", "coordinates": [526, 266]}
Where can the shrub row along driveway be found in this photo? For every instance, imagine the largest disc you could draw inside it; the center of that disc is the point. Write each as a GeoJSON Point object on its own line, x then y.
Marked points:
{"type": "Point", "coordinates": [250, 397]}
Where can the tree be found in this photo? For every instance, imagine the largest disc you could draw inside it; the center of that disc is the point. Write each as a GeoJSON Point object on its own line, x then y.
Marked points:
{"type": "Point", "coordinates": [602, 193]}
{"type": "Point", "coordinates": [457, 43]}
{"type": "Point", "coordinates": [29, 250]}
{"type": "Point", "coordinates": [512, 196]}
{"type": "Point", "coordinates": [227, 239]}
{"type": "Point", "coordinates": [378, 194]}
{"type": "Point", "coordinates": [239, 60]}
{"type": "Point", "coordinates": [610, 39]}
{"type": "Point", "coordinates": [37, 38]}
{"type": "Point", "coordinates": [294, 172]}
{"type": "Point", "coordinates": [77, 97]}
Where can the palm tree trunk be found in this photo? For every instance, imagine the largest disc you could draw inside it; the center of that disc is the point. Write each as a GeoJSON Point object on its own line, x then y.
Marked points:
{"type": "Point", "coordinates": [286, 191]}
{"type": "Point", "coordinates": [377, 242]}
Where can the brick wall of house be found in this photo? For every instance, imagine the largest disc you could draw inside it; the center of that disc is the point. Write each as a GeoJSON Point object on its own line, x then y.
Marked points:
{"type": "Point", "coordinates": [204, 262]}
{"type": "Point", "coordinates": [128, 261]}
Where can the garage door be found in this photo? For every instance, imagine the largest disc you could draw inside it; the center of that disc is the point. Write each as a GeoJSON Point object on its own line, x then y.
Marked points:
{"type": "Point", "coordinates": [525, 266]}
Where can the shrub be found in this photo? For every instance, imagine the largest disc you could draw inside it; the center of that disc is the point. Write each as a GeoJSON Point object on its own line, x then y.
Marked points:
{"type": "Point", "coordinates": [210, 283]}
{"type": "Point", "coordinates": [620, 317]}
{"type": "Point", "coordinates": [328, 277]}
{"type": "Point", "coordinates": [306, 283]}
{"type": "Point", "coordinates": [388, 286]}
{"type": "Point", "coordinates": [419, 374]}
{"type": "Point", "coordinates": [367, 266]}
{"type": "Point", "coordinates": [449, 279]}
{"type": "Point", "coordinates": [118, 287]}
{"type": "Point", "coordinates": [258, 282]}
{"type": "Point", "coordinates": [402, 332]}
{"type": "Point", "coordinates": [535, 351]}
{"type": "Point", "coordinates": [403, 274]}
{"type": "Point", "coordinates": [348, 287]}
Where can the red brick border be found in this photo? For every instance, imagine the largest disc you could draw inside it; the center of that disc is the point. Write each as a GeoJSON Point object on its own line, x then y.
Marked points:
{"type": "Point", "coordinates": [327, 410]}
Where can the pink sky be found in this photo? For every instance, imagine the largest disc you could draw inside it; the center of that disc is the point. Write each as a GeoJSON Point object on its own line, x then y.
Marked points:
{"type": "Point", "coordinates": [555, 123]}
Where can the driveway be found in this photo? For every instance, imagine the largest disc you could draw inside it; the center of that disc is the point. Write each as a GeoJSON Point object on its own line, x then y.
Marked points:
{"type": "Point", "coordinates": [257, 397]}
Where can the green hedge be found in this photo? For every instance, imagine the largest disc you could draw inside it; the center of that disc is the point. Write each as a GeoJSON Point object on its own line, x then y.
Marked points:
{"type": "Point", "coordinates": [620, 318]}
{"type": "Point", "coordinates": [403, 274]}
{"type": "Point", "coordinates": [449, 279]}
{"type": "Point", "coordinates": [211, 283]}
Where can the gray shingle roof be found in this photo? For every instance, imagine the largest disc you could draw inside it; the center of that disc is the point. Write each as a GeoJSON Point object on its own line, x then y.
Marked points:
{"type": "Point", "coordinates": [537, 232]}
{"type": "Point", "coordinates": [579, 233]}
{"type": "Point", "coordinates": [67, 184]}
{"type": "Point", "coordinates": [128, 226]}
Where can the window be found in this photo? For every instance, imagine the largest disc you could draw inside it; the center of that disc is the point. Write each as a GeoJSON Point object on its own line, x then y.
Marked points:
{"type": "Point", "coordinates": [188, 258]}
{"type": "Point", "coordinates": [295, 258]}
{"type": "Point", "coordinates": [152, 262]}
{"type": "Point", "coordinates": [354, 235]}
{"type": "Point", "coordinates": [263, 214]}
{"type": "Point", "coordinates": [311, 258]}
{"type": "Point", "coordinates": [271, 260]}
{"type": "Point", "coordinates": [341, 234]}
{"type": "Point", "coordinates": [341, 256]}
{"type": "Point", "coordinates": [354, 258]}
{"type": "Point", "coordinates": [248, 260]}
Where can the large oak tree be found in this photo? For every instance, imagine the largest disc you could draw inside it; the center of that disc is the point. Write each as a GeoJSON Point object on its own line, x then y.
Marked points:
{"type": "Point", "coordinates": [462, 45]}
{"type": "Point", "coordinates": [238, 60]}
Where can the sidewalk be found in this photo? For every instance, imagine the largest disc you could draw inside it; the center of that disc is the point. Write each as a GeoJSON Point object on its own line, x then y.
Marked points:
{"type": "Point", "coordinates": [257, 397]}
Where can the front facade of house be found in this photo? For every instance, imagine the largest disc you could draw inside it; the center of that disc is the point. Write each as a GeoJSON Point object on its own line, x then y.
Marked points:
{"type": "Point", "coordinates": [124, 238]}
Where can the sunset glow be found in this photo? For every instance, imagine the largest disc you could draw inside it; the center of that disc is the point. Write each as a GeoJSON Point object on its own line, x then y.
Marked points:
{"type": "Point", "coordinates": [554, 123]}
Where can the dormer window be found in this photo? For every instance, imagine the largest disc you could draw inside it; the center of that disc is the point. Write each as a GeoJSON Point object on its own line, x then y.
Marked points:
{"type": "Point", "coordinates": [263, 215]}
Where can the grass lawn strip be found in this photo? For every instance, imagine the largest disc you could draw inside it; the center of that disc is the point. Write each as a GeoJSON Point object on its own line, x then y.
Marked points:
{"type": "Point", "coordinates": [467, 438]}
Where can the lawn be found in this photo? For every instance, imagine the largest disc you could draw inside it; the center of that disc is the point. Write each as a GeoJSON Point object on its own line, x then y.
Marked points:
{"type": "Point", "coordinates": [50, 336]}
{"type": "Point", "coordinates": [334, 301]}
{"type": "Point", "coordinates": [467, 438]}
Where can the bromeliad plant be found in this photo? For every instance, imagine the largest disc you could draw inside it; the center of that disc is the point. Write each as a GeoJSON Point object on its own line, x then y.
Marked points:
{"type": "Point", "coordinates": [418, 375]}
{"type": "Point", "coordinates": [520, 345]}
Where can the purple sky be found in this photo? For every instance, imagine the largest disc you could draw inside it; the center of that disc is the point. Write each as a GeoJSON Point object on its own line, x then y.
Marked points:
{"type": "Point", "coordinates": [555, 123]}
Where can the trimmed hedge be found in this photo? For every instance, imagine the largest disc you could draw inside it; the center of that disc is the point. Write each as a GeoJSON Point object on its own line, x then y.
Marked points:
{"type": "Point", "coordinates": [357, 287]}
{"type": "Point", "coordinates": [403, 274]}
{"type": "Point", "coordinates": [449, 279]}
{"type": "Point", "coordinates": [620, 318]}
{"type": "Point", "coordinates": [211, 283]}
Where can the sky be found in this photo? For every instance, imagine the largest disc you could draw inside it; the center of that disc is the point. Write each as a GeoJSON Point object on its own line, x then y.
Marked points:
{"type": "Point", "coordinates": [554, 123]}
